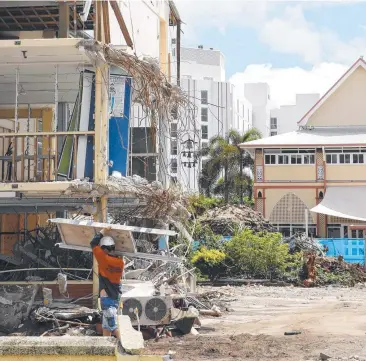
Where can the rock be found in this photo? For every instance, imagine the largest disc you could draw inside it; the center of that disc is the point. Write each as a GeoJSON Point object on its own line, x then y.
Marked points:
{"type": "Point", "coordinates": [324, 357]}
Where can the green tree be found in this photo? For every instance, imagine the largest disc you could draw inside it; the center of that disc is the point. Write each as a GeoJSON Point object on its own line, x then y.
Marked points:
{"type": "Point", "coordinates": [257, 254]}
{"type": "Point", "coordinates": [225, 157]}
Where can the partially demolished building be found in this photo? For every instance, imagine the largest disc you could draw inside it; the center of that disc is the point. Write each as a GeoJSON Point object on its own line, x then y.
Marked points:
{"type": "Point", "coordinates": [69, 101]}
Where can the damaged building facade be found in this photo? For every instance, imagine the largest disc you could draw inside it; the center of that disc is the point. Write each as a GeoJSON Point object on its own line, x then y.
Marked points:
{"type": "Point", "coordinates": [315, 177]}
{"type": "Point", "coordinates": [67, 113]}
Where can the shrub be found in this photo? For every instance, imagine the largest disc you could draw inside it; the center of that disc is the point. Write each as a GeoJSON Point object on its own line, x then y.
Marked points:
{"type": "Point", "coordinates": [258, 255]}
{"type": "Point", "coordinates": [199, 204]}
{"type": "Point", "coordinates": [210, 262]}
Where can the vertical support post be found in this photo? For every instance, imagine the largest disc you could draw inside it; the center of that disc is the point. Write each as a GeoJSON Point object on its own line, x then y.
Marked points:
{"type": "Point", "coordinates": [102, 212]}
{"type": "Point", "coordinates": [55, 110]}
{"type": "Point", "coordinates": [178, 52]}
{"type": "Point", "coordinates": [64, 20]}
{"type": "Point", "coordinates": [16, 100]}
{"type": "Point", "coordinates": [306, 222]}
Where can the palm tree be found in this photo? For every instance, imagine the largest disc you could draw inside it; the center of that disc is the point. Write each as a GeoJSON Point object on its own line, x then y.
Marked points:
{"type": "Point", "coordinates": [245, 159]}
{"type": "Point", "coordinates": [225, 156]}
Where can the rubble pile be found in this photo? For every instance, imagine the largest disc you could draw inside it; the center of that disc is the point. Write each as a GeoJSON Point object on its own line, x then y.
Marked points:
{"type": "Point", "coordinates": [216, 297]}
{"type": "Point", "coordinates": [229, 218]}
{"type": "Point", "coordinates": [36, 249]}
{"type": "Point", "coordinates": [301, 242]}
{"type": "Point", "coordinates": [336, 271]}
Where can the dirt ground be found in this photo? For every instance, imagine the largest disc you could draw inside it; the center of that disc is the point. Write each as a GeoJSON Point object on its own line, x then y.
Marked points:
{"type": "Point", "coordinates": [332, 321]}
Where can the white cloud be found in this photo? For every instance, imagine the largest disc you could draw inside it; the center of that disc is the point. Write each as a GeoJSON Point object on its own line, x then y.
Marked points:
{"type": "Point", "coordinates": [293, 34]}
{"type": "Point", "coordinates": [285, 83]}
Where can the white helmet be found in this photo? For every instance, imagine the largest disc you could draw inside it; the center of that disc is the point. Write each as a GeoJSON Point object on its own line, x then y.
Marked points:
{"type": "Point", "coordinates": [107, 241]}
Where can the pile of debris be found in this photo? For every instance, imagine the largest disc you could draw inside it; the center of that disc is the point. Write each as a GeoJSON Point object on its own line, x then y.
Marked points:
{"type": "Point", "coordinates": [336, 271]}
{"type": "Point", "coordinates": [229, 218]}
{"type": "Point", "coordinates": [301, 242]}
{"type": "Point", "coordinates": [216, 297]}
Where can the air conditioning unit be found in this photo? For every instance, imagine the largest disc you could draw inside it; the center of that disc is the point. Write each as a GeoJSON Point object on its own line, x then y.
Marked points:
{"type": "Point", "coordinates": [150, 310]}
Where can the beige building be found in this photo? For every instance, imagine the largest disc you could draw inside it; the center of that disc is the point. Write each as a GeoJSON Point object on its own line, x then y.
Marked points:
{"type": "Point", "coordinates": [317, 174]}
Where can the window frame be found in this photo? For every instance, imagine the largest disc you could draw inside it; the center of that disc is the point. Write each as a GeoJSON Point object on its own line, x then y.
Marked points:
{"type": "Point", "coordinates": [204, 99]}
{"type": "Point", "coordinates": [204, 110]}
{"type": "Point", "coordinates": [206, 132]}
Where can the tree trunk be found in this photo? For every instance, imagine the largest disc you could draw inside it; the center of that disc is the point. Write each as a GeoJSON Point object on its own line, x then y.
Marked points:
{"type": "Point", "coordinates": [241, 178]}
{"type": "Point", "coordinates": [226, 185]}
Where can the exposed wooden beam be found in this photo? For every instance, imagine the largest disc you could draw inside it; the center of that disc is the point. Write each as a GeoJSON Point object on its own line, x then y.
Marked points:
{"type": "Point", "coordinates": [106, 24]}
{"type": "Point", "coordinates": [64, 20]}
{"type": "Point", "coordinates": [121, 22]}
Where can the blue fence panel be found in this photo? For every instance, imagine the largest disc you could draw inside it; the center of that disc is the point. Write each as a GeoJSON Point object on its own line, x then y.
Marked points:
{"type": "Point", "coordinates": [352, 249]}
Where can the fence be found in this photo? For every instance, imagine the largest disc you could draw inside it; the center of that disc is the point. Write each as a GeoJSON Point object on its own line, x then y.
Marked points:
{"type": "Point", "coordinates": [352, 249]}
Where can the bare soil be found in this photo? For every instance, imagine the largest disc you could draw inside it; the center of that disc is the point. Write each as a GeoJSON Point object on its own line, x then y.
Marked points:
{"type": "Point", "coordinates": [331, 320]}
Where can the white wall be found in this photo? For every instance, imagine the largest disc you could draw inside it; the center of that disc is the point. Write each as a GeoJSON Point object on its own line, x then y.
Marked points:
{"type": "Point", "coordinates": [202, 63]}
{"type": "Point", "coordinates": [288, 115]}
{"type": "Point", "coordinates": [258, 94]}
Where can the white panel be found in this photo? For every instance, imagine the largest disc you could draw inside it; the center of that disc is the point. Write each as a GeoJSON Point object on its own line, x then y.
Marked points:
{"type": "Point", "coordinates": [344, 202]}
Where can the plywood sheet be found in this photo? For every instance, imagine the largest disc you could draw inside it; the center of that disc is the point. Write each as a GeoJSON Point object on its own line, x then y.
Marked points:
{"type": "Point", "coordinates": [80, 233]}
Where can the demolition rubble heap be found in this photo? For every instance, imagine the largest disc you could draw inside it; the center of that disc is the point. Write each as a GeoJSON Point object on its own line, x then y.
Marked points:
{"type": "Point", "coordinates": [227, 219]}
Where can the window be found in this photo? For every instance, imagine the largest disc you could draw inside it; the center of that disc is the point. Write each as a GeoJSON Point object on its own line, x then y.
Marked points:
{"type": "Point", "coordinates": [173, 147]}
{"type": "Point", "coordinates": [345, 158]}
{"type": "Point", "coordinates": [283, 159]}
{"type": "Point", "coordinates": [204, 97]}
{"type": "Point", "coordinates": [173, 130]}
{"type": "Point", "coordinates": [321, 195]}
{"type": "Point", "coordinates": [259, 194]}
{"type": "Point", "coordinates": [332, 158]}
{"type": "Point", "coordinates": [174, 166]}
{"type": "Point", "coordinates": [204, 145]}
{"type": "Point", "coordinates": [173, 52]}
{"type": "Point", "coordinates": [204, 132]}
{"type": "Point", "coordinates": [174, 41]}
{"type": "Point", "coordinates": [273, 123]}
{"type": "Point", "coordinates": [357, 158]}
{"type": "Point", "coordinates": [204, 114]}
{"type": "Point", "coordinates": [273, 134]}
{"type": "Point", "coordinates": [357, 233]}
{"type": "Point", "coordinates": [309, 159]}
{"type": "Point", "coordinates": [270, 159]}
{"type": "Point", "coordinates": [289, 156]}
{"type": "Point", "coordinates": [295, 159]}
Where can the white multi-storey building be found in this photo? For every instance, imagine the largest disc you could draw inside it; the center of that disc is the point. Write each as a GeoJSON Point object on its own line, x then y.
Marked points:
{"type": "Point", "coordinates": [284, 119]}
{"type": "Point", "coordinates": [217, 109]}
{"type": "Point", "coordinates": [259, 96]}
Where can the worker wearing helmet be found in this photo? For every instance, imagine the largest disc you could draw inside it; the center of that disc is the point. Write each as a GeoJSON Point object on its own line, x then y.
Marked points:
{"type": "Point", "coordinates": [110, 269]}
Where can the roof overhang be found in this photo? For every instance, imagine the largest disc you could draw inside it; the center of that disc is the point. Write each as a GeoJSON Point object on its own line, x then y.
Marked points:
{"type": "Point", "coordinates": [344, 202]}
{"type": "Point", "coordinates": [42, 51]}
{"type": "Point", "coordinates": [359, 63]}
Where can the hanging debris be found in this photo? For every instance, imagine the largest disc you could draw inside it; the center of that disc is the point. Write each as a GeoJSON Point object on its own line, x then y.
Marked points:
{"type": "Point", "coordinates": [153, 201]}
{"type": "Point", "coordinates": [151, 87]}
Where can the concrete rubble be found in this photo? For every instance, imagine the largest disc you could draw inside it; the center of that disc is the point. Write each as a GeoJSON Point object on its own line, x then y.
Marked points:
{"type": "Point", "coordinates": [15, 305]}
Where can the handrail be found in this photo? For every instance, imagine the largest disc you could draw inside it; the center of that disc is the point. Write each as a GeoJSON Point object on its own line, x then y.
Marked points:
{"type": "Point", "coordinates": [42, 134]}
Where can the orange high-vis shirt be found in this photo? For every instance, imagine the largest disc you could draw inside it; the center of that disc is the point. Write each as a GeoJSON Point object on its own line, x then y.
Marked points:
{"type": "Point", "coordinates": [109, 267]}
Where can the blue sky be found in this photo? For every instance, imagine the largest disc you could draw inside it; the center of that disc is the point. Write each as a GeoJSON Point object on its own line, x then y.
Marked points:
{"type": "Point", "coordinates": [304, 45]}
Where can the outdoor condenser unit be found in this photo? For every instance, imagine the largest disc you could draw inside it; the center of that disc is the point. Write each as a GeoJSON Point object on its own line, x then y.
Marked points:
{"type": "Point", "coordinates": [150, 310]}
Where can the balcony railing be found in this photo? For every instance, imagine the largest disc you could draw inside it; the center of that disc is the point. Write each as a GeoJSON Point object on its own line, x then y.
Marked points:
{"type": "Point", "coordinates": [45, 156]}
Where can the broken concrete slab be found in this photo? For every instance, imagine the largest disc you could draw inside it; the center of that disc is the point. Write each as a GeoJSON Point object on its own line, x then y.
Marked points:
{"type": "Point", "coordinates": [66, 345]}
{"type": "Point", "coordinates": [131, 340]}
{"type": "Point", "coordinates": [16, 302]}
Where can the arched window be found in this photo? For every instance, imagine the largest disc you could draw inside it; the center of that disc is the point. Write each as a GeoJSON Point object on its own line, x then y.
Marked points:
{"type": "Point", "coordinates": [321, 195]}
{"type": "Point", "coordinates": [259, 194]}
